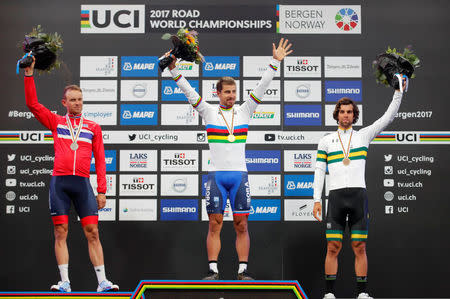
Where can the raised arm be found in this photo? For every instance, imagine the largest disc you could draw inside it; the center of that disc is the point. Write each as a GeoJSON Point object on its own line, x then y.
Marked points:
{"type": "Point", "coordinates": [42, 114]}
{"type": "Point", "coordinates": [278, 54]}
{"type": "Point", "coordinates": [193, 97]}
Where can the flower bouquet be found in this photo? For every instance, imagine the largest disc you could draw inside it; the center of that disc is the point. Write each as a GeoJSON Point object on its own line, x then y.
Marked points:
{"type": "Point", "coordinates": [44, 47]}
{"type": "Point", "coordinates": [185, 46]}
{"type": "Point", "coordinates": [393, 62]}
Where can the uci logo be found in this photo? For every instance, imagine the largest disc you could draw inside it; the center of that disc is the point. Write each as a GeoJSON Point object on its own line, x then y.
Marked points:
{"type": "Point", "coordinates": [30, 136]}
{"type": "Point", "coordinates": [112, 18]}
{"type": "Point", "coordinates": [407, 137]}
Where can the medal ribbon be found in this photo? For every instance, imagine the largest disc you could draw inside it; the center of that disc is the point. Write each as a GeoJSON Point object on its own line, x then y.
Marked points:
{"type": "Point", "coordinates": [230, 131]}
{"type": "Point", "coordinates": [348, 147]}
{"type": "Point", "coordinates": [77, 134]}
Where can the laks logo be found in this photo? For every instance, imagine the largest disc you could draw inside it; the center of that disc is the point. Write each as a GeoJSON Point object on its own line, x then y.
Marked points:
{"type": "Point", "coordinates": [112, 19]}
{"type": "Point", "coordinates": [299, 160]}
{"type": "Point", "coordinates": [219, 66]}
{"type": "Point", "coordinates": [134, 160]}
{"type": "Point", "coordinates": [139, 66]}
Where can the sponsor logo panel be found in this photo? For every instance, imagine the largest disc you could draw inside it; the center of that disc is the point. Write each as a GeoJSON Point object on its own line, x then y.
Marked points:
{"type": "Point", "coordinates": [285, 137]}
{"type": "Point", "coordinates": [98, 66]}
{"type": "Point", "coordinates": [179, 209]}
{"type": "Point", "coordinates": [139, 66]}
{"type": "Point", "coordinates": [179, 160]}
{"type": "Point", "coordinates": [221, 66]}
{"type": "Point", "coordinates": [179, 185]}
{"type": "Point", "coordinates": [138, 210]}
{"type": "Point", "coordinates": [110, 184]}
{"type": "Point", "coordinates": [140, 114]}
{"type": "Point", "coordinates": [112, 19]}
{"type": "Point", "coordinates": [300, 161]}
{"type": "Point", "coordinates": [303, 91]}
{"type": "Point", "coordinates": [108, 213]}
{"type": "Point", "coordinates": [110, 160]}
{"type": "Point", "coordinates": [319, 19]}
{"type": "Point", "coordinates": [265, 184]}
{"type": "Point", "coordinates": [334, 90]}
{"type": "Point", "coordinates": [266, 115]}
{"type": "Point", "coordinates": [178, 115]}
{"type": "Point", "coordinates": [298, 185]}
{"type": "Point", "coordinates": [206, 160]}
{"type": "Point", "coordinates": [255, 66]}
{"type": "Point", "coordinates": [272, 92]}
{"type": "Point", "coordinates": [139, 90]}
{"type": "Point", "coordinates": [138, 160]}
{"type": "Point", "coordinates": [298, 210]}
{"type": "Point", "coordinates": [138, 184]}
{"type": "Point", "coordinates": [258, 160]}
{"type": "Point", "coordinates": [330, 121]}
{"type": "Point", "coordinates": [304, 66]}
{"type": "Point", "coordinates": [103, 114]}
{"type": "Point", "coordinates": [171, 92]}
{"type": "Point", "coordinates": [265, 210]}
{"type": "Point", "coordinates": [210, 92]}
{"type": "Point", "coordinates": [303, 115]}
{"type": "Point", "coordinates": [99, 90]}
{"type": "Point", "coordinates": [343, 67]}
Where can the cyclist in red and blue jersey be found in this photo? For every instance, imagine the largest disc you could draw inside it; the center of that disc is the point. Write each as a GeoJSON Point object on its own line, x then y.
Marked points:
{"type": "Point", "coordinates": [227, 127]}
{"type": "Point", "coordinates": [75, 139]}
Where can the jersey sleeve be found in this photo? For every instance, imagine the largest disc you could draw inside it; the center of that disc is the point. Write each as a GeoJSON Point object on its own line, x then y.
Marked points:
{"type": "Point", "coordinates": [321, 167]}
{"type": "Point", "coordinates": [193, 97]}
{"type": "Point", "coordinates": [257, 94]}
{"type": "Point", "coordinates": [99, 155]}
{"type": "Point", "coordinates": [379, 125]}
{"type": "Point", "coordinates": [42, 114]}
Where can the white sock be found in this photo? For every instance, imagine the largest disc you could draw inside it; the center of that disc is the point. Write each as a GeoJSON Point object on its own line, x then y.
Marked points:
{"type": "Point", "coordinates": [100, 272]}
{"type": "Point", "coordinates": [213, 267]}
{"type": "Point", "coordinates": [64, 272]}
{"type": "Point", "coordinates": [242, 267]}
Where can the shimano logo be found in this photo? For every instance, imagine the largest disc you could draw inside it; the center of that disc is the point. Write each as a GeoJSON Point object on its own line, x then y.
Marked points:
{"type": "Point", "coordinates": [179, 209]}
{"type": "Point", "coordinates": [343, 90]}
{"type": "Point", "coordinates": [262, 160]}
{"type": "Point", "coordinates": [303, 115]}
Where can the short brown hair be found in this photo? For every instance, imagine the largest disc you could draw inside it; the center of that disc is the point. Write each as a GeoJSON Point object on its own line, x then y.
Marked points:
{"type": "Point", "coordinates": [346, 101]}
{"type": "Point", "coordinates": [71, 87]}
{"type": "Point", "coordinates": [224, 81]}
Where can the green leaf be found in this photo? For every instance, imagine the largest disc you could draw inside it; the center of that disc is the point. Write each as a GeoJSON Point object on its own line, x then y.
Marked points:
{"type": "Point", "coordinates": [166, 36]}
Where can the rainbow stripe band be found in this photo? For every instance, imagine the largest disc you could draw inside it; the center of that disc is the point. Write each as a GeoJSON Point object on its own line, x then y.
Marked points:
{"type": "Point", "coordinates": [177, 78]}
{"type": "Point", "coordinates": [224, 108]}
{"type": "Point", "coordinates": [257, 101]}
{"type": "Point", "coordinates": [197, 103]}
{"type": "Point", "coordinates": [219, 134]}
{"type": "Point", "coordinates": [273, 67]}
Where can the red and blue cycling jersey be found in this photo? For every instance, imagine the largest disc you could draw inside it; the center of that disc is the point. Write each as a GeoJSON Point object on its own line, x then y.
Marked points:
{"type": "Point", "coordinates": [67, 161]}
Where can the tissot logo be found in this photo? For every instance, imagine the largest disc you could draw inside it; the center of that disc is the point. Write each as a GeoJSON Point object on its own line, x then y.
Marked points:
{"type": "Point", "coordinates": [179, 161]}
{"type": "Point", "coordinates": [302, 67]}
{"type": "Point", "coordinates": [112, 19]}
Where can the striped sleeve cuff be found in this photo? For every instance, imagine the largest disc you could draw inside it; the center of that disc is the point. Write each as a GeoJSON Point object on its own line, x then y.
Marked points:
{"type": "Point", "coordinates": [274, 64]}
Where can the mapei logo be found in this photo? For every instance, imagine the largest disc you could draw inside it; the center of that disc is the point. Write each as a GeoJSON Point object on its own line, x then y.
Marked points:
{"type": "Point", "coordinates": [171, 92]}
{"type": "Point", "coordinates": [110, 160]}
{"type": "Point", "coordinates": [139, 66]}
{"type": "Point", "coordinates": [298, 185]}
{"type": "Point", "coordinates": [144, 114]}
{"type": "Point", "coordinates": [265, 210]}
{"type": "Point", "coordinates": [112, 19]}
{"type": "Point", "coordinates": [218, 66]}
